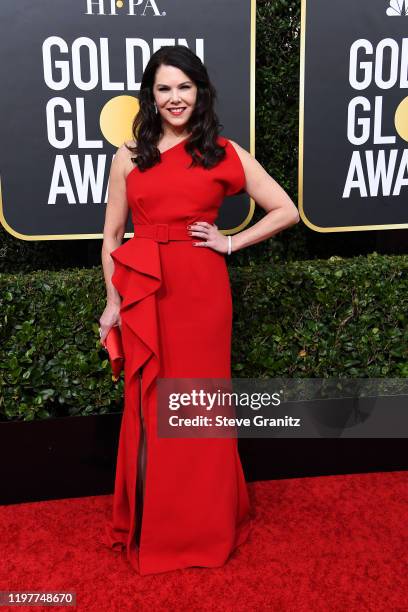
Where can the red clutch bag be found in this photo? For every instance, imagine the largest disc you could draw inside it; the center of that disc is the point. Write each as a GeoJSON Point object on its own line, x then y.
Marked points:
{"type": "Point", "coordinates": [113, 344]}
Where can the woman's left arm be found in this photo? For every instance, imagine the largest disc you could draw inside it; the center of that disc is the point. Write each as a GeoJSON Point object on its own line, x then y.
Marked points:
{"type": "Point", "coordinates": [281, 212]}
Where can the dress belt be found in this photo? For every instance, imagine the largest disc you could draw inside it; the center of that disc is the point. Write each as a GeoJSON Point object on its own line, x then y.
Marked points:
{"type": "Point", "coordinates": [161, 232]}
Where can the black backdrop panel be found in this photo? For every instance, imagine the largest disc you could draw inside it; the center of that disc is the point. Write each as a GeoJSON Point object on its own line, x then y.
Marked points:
{"type": "Point", "coordinates": [62, 62]}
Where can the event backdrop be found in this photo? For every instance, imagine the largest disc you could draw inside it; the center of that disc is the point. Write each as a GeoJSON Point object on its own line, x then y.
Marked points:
{"type": "Point", "coordinates": [353, 162]}
{"type": "Point", "coordinates": [70, 77]}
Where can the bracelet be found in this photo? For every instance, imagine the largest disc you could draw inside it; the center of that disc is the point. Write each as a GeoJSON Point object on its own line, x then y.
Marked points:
{"type": "Point", "coordinates": [229, 245]}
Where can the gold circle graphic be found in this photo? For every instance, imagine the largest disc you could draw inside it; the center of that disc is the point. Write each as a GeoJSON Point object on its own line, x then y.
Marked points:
{"type": "Point", "coordinates": [116, 119]}
{"type": "Point", "coordinates": [401, 119]}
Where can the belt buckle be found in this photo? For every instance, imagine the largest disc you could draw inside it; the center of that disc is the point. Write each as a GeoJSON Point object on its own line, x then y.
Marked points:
{"type": "Point", "coordinates": [162, 232]}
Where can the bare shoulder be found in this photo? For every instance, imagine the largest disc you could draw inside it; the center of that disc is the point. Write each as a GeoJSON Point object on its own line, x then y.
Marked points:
{"type": "Point", "coordinates": [125, 148]}
{"type": "Point", "coordinates": [130, 143]}
{"type": "Point", "coordinates": [122, 163]}
{"type": "Point", "coordinates": [123, 154]}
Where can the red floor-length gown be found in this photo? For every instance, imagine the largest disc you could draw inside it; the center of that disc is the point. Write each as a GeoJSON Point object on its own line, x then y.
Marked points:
{"type": "Point", "coordinates": [176, 315]}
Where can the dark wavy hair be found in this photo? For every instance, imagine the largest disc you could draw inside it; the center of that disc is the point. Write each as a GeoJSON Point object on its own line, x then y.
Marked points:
{"type": "Point", "coordinates": [203, 125]}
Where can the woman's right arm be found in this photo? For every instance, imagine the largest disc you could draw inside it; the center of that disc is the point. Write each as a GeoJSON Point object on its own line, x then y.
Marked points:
{"type": "Point", "coordinates": [117, 210]}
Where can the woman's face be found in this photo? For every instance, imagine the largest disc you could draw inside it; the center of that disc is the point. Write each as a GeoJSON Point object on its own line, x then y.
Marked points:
{"type": "Point", "coordinates": [173, 90]}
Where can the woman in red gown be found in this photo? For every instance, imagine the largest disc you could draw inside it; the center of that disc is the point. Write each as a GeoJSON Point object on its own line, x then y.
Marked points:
{"type": "Point", "coordinates": [178, 502]}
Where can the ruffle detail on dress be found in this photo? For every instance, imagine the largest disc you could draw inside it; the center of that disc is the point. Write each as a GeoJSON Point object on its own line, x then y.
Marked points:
{"type": "Point", "coordinates": [137, 278]}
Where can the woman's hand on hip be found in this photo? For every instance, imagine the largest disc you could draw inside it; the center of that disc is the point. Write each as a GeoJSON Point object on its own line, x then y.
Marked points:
{"type": "Point", "coordinates": [109, 318]}
{"type": "Point", "coordinates": [213, 238]}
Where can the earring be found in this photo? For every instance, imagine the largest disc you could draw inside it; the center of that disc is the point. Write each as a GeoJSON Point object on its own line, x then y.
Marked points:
{"type": "Point", "coordinates": [155, 107]}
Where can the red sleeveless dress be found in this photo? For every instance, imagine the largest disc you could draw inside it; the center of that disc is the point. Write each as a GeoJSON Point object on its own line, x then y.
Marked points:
{"type": "Point", "coordinates": [176, 316]}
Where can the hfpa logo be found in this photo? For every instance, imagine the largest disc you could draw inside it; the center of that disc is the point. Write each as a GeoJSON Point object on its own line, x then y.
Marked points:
{"type": "Point", "coordinates": [114, 7]}
{"type": "Point", "coordinates": [397, 8]}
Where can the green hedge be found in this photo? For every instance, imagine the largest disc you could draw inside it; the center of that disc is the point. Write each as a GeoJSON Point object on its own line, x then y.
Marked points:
{"type": "Point", "coordinates": [51, 363]}
{"type": "Point", "coordinates": [334, 318]}
{"type": "Point", "coordinates": [322, 318]}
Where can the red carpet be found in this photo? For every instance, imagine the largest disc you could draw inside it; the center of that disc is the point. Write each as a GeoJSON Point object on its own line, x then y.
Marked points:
{"type": "Point", "coordinates": [333, 543]}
